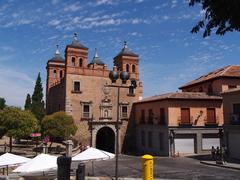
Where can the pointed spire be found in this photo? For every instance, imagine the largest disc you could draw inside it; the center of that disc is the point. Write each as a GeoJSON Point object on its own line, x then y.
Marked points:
{"type": "Point", "coordinates": [75, 36]}
{"type": "Point", "coordinates": [125, 45]}
{"type": "Point", "coordinates": [57, 50]}
{"type": "Point", "coordinates": [96, 54]}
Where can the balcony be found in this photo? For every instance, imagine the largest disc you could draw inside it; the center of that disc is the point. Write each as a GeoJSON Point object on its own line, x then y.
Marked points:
{"type": "Point", "coordinates": [211, 122]}
{"type": "Point", "coordinates": [185, 122]}
{"type": "Point", "coordinates": [86, 116]}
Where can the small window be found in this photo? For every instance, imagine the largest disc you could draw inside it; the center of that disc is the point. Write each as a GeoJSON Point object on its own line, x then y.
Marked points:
{"type": "Point", "coordinates": [131, 90]}
{"type": "Point", "coordinates": [142, 121]}
{"type": "Point", "coordinates": [86, 111]}
{"type": "Point", "coordinates": [185, 116]}
{"type": "Point", "coordinates": [127, 67]}
{"type": "Point", "coordinates": [150, 116]}
{"type": "Point", "coordinates": [61, 74]}
{"type": "Point", "coordinates": [150, 139]}
{"type": "Point", "coordinates": [73, 61]}
{"type": "Point", "coordinates": [162, 116]}
{"type": "Point", "coordinates": [124, 112]}
{"type": "Point", "coordinates": [76, 87]}
{"type": "Point", "coordinates": [80, 62]}
{"type": "Point", "coordinates": [161, 143]}
{"type": "Point", "coordinates": [200, 89]}
{"type": "Point", "coordinates": [133, 68]}
{"type": "Point", "coordinates": [54, 73]}
{"type": "Point", "coordinates": [143, 138]}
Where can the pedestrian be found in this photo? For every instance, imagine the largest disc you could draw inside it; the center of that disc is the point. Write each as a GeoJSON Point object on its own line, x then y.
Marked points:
{"type": "Point", "coordinates": [213, 153]}
{"type": "Point", "coordinates": [218, 153]}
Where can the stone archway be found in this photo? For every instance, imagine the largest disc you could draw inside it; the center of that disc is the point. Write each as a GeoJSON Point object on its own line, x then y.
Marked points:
{"type": "Point", "coordinates": [105, 139]}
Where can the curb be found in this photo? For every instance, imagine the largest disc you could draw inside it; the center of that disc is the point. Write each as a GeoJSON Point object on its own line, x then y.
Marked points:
{"type": "Point", "coordinates": [218, 165]}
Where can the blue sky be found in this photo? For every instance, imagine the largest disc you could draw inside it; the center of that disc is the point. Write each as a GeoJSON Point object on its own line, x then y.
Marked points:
{"type": "Point", "coordinates": [157, 30]}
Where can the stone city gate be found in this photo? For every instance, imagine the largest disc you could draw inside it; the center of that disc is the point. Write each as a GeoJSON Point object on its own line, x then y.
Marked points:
{"type": "Point", "coordinates": [104, 137]}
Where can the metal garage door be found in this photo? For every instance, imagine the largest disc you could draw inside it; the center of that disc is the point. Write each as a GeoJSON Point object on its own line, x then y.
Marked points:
{"type": "Point", "coordinates": [207, 143]}
{"type": "Point", "coordinates": [184, 145]}
{"type": "Point", "coordinates": [234, 147]}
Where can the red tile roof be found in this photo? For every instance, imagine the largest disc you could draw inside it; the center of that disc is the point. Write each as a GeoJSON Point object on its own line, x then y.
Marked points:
{"type": "Point", "coordinates": [181, 95]}
{"type": "Point", "coordinates": [227, 71]}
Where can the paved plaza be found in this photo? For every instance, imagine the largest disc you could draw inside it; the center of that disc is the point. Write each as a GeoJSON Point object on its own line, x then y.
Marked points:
{"type": "Point", "coordinates": [164, 168]}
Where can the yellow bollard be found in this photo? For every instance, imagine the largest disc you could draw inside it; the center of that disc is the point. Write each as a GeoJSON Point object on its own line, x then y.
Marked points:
{"type": "Point", "coordinates": [147, 165]}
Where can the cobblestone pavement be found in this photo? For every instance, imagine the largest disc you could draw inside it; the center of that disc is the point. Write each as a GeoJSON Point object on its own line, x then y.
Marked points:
{"type": "Point", "coordinates": [164, 168]}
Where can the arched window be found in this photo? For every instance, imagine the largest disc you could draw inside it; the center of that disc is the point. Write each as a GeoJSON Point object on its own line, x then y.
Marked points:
{"type": "Point", "coordinates": [133, 68]}
{"type": "Point", "coordinates": [127, 67]}
{"type": "Point", "coordinates": [54, 73]}
{"type": "Point", "coordinates": [73, 61]}
{"type": "Point", "coordinates": [61, 74]}
{"type": "Point", "coordinates": [80, 62]}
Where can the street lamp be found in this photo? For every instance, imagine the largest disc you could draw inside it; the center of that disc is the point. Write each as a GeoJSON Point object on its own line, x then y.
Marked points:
{"type": "Point", "coordinates": [220, 133]}
{"type": "Point", "coordinates": [114, 76]}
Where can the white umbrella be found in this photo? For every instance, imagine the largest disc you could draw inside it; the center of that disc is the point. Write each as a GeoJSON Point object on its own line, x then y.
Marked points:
{"type": "Point", "coordinates": [93, 154]}
{"type": "Point", "coordinates": [9, 159]}
{"type": "Point", "coordinates": [40, 164]}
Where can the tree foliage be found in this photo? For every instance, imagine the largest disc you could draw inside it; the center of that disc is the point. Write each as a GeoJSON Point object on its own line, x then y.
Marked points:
{"type": "Point", "coordinates": [2, 103]}
{"type": "Point", "coordinates": [58, 126]}
{"type": "Point", "coordinates": [37, 106]}
{"type": "Point", "coordinates": [28, 102]}
{"type": "Point", "coordinates": [17, 123]}
{"type": "Point", "coordinates": [222, 15]}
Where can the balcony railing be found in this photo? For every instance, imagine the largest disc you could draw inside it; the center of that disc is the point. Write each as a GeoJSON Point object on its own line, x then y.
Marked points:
{"type": "Point", "coordinates": [86, 115]}
{"type": "Point", "coordinates": [183, 122]}
{"type": "Point", "coordinates": [124, 115]}
{"type": "Point", "coordinates": [211, 123]}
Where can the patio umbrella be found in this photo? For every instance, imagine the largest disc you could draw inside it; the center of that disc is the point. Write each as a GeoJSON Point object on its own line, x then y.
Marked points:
{"type": "Point", "coordinates": [9, 159]}
{"type": "Point", "coordinates": [93, 154]}
{"type": "Point", "coordinates": [38, 165]}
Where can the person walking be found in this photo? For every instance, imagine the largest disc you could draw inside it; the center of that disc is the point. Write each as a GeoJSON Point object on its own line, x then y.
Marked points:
{"type": "Point", "coordinates": [213, 153]}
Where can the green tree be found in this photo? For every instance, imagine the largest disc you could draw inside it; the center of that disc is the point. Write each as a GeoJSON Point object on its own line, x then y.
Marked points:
{"type": "Point", "coordinates": [58, 125]}
{"type": "Point", "coordinates": [28, 102]}
{"type": "Point", "coordinates": [222, 15]}
{"type": "Point", "coordinates": [17, 123]}
{"type": "Point", "coordinates": [2, 103]}
{"type": "Point", "coordinates": [37, 107]}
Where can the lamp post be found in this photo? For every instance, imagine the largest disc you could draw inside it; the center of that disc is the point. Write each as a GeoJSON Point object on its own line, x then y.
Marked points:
{"type": "Point", "coordinates": [124, 76]}
{"type": "Point", "coordinates": [220, 133]}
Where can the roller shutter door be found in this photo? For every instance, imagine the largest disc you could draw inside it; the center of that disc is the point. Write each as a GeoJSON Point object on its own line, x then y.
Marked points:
{"type": "Point", "coordinates": [184, 145]}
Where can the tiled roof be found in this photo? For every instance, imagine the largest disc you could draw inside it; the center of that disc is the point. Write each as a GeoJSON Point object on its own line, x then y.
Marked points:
{"type": "Point", "coordinates": [126, 52]}
{"type": "Point", "coordinates": [182, 95]}
{"type": "Point", "coordinates": [227, 71]}
{"type": "Point", "coordinates": [232, 90]}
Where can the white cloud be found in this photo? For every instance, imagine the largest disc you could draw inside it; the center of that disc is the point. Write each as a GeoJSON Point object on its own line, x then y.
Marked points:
{"type": "Point", "coordinates": [55, 2]}
{"type": "Point", "coordinates": [14, 86]}
{"type": "Point", "coordinates": [7, 48]}
{"type": "Point", "coordinates": [101, 2]}
{"type": "Point", "coordinates": [174, 3]}
{"type": "Point", "coordinates": [165, 17]}
{"type": "Point", "coordinates": [139, 1]}
{"type": "Point", "coordinates": [73, 7]}
{"type": "Point", "coordinates": [54, 22]}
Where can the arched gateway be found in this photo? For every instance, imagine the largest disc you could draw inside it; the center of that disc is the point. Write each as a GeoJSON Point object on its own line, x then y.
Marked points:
{"type": "Point", "coordinates": [105, 139]}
